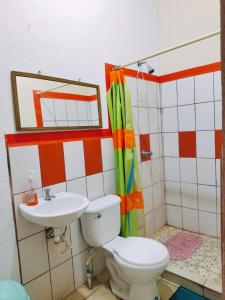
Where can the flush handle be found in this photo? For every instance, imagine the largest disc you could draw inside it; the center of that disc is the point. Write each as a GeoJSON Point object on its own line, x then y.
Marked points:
{"type": "Point", "coordinates": [98, 216]}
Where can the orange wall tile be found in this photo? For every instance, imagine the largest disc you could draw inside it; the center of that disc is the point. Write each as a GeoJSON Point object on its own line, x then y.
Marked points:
{"type": "Point", "coordinates": [145, 145]}
{"type": "Point", "coordinates": [92, 156]}
{"type": "Point", "coordinates": [187, 144]}
{"type": "Point", "coordinates": [218, 143]}
{"type": "Point", "coordinates": [52, 163]}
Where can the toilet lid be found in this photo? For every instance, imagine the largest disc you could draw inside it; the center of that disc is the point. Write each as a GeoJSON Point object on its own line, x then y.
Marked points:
{"type": "Point", "coordinates": [142, 251]}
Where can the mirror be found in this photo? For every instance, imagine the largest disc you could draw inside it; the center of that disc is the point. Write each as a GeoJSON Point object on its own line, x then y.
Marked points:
{"type": "Point", "coordinates": [49, 103]}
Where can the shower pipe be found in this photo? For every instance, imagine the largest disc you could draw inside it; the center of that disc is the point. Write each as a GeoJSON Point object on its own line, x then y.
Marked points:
{"type": "Point", "coordinates": [202, 38]}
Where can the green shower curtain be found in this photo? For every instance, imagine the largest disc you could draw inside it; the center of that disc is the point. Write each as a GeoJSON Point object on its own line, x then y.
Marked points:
{"type": "Point", "coordinates": [127, 171]}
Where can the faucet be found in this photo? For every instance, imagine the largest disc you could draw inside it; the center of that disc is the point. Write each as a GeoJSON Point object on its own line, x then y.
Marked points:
{"type": "Point", "coordinates": [47, 195]}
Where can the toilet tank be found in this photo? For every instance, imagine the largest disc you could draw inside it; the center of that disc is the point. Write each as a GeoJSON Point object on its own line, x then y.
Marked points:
{"type": "Point", "coordinates": [100, 223]}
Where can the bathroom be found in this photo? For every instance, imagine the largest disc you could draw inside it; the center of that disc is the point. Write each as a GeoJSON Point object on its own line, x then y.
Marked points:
{"type": "Point", "coordinates": [176, 108]}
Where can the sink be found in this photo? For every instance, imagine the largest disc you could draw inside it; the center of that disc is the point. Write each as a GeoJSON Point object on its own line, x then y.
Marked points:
{"type": "Point", "coordinates": [62, 210]}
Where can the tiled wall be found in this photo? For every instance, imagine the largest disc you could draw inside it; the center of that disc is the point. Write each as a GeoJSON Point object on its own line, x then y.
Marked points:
{"type": "Point", "coordinates": [182, 128]}
{"type": "Point", "coordinates": [86, 167]}
{"type": "Point", "coordinates": [192, 123]}
{"type": "Point", "coordinates": [147, 124]}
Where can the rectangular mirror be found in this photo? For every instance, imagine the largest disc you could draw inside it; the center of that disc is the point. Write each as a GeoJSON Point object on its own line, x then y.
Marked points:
{"type": "Point", "coordinates": [49, 103]}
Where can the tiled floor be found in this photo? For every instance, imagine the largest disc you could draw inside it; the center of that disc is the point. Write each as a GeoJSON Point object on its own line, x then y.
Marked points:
{"type": "Point", "coordinates": [203, 267]}
{"type": "Point", "coordinates": [102, 292]}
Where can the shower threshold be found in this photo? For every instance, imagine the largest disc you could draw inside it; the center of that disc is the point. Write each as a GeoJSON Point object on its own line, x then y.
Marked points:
{"type": "Point", "coordinates": [201, 270]}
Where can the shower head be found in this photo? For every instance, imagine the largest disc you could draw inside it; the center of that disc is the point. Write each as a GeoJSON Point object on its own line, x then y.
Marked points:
{"type": "Point", "coordinates": [150, 69]}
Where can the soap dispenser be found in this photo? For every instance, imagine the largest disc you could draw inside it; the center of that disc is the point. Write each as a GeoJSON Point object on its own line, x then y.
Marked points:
{"type": "Point", "coordinates": [31, 195]}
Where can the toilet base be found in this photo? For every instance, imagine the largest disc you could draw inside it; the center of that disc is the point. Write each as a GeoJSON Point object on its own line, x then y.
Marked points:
{"type": "Point", "coordinates": [144, 291]}
{"type": "Point", "coordinates": [137, 291]}
{"type": "Point", "coordinates": [119, 292]}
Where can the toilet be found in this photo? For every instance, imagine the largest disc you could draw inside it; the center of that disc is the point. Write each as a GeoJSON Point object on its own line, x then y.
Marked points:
{"type": "Point", "coordinates": [133, 262]}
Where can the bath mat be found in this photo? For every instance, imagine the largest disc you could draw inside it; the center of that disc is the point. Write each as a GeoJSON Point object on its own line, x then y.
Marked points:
{"type": "Point", "coordinates": [184, 294]}
{"type": "Point", "coordinates": [182, 245]}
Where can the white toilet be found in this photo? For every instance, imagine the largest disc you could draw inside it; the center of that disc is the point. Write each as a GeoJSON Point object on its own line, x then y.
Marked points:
{"type": "Point", "coordinates": [134, 262]}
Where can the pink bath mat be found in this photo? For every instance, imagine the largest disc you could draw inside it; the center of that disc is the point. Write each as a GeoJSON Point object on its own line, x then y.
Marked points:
{"type": "Point", "coordinates": [183, 245]}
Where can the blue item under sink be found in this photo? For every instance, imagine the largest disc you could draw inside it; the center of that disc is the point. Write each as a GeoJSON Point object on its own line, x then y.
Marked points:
{"type": "Point", "coordinates": [12, 290]}
{"type": "Point", "coordinates": [185, 294]}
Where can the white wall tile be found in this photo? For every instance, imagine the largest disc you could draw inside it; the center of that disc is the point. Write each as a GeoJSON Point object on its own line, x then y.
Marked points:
{"type": "Point", "coordinates": [62, 280]}
{"type": "Point", "coordinates": [148, 199]}
{"type": "Point", "coordinates": [22, 160]}
{"type": "Point", "coordinates": [24, 227]}
{"type": "Point", "coordinates": [40, 288]}
{"type": "Point", "coordinates": [157, 174]}
{"type": "Point", "coordinates": [74, 159]}
{"type": "Point", "coordinates": [56, 188]}
{"type": "Point", "coordinates": [170, 122]}
{"type": "Point", "coordinates": [204, 88]}
{"type": "Point", "coordinates": [218, 199]}
{"type": "Point", "coordinates": [153, 94]}
{"type": "Point", "coordinates": [57, 252]}
{"type": "Point", "coordinates": [135, 115]}
{"type": "Point", "coordinates": [153, 120]}
{"type": "Point", "coordinates": [99, 262]}
{"type": "Point", "coordinates": [217, 86]}
{"type": "Point", "coordinates": [142, 93]}
{"type": "Point", "coordinates": [185, 89]}
{"type": "Point", "coordinates": [149, 224]}
{"type": "Point", "coordinates": [33, 256]}
{"type": "Point", "coordinates": [218, 172]}
{"type": "Point", "coordinates": [208, 223]}
{"type": "Point", "coordinates": [77, 186]}
{"type": "Point", "coordinates": [95, 186]}
{"type": "Point", "coordinates": [189, 195]}
{"type": "Point", "coordinates": [159, 217]}
{"type": "Point", "coordinates": [155, 141]}
{"type": "Point", "coordinates": [207, 198]}
{"type": "Point", "coordinates": [218, 114]}
{"type": "Point", "coordinates": [77, 240]}
{"type": "Point", "coordinates": [188, 170]}
{"type": "Point", "coordinates": [174, 216]}
{"type": "Point", "coordinates": [205, 144]}
{"type": "Point", "coordinates": [190, 219]}
{"type": "Point", "coordinates": [206, 171]}
{"type": "Point", "coordinates": [132, 86]}
{"type": "Point", "coordinates": [205, 116]}
{"type": "Point", "coordinates": [79, 264]}
{"type": "Point", "coordinates": [186, 115]}
{"type": "Point", "coordinates": [143, 120]}
{"type": "Point", "coordinates": [146, 171]}
{"type": "Point", "coordinates": [173, 195]}
{"type": "Point", "coordinates": [170, 143]}
{"type": "Point", "coordinates": [108, 156]}
{"type": "Point", "coordinates": [109, 178]}
{"type": "Point", "coordinates": [137, 139]}
{"type": "Point", "coordinates": [171, 166]}
{"type": "Point", "coordinates": [169, 94]}
{"type": "Point", "coordinates": [157, 195]}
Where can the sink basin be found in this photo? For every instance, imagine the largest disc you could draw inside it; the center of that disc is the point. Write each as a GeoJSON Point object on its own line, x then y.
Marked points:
{"type": "Point", "coordinates": [62, 210]}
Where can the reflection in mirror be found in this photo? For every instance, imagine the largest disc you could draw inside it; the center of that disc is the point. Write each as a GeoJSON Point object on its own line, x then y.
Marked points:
{"type": "Point", "coordinates": [43, 103]}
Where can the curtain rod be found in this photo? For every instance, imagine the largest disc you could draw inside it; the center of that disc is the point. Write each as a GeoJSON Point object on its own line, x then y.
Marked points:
{"type": "Point", "coordinates": [204, 37]}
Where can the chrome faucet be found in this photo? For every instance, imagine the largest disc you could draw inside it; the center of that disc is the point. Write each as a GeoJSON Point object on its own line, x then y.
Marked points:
{"type": "Point", "coordinates": [47, 195]}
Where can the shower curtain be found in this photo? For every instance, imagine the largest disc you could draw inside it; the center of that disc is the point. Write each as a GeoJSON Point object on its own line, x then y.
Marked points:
{"type": "Point", "coordinates": [127, 171]}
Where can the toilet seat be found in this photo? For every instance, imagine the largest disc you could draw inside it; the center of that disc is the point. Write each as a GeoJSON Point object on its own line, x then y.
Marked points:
{"type": "Point", "coordinates": [139, 253]}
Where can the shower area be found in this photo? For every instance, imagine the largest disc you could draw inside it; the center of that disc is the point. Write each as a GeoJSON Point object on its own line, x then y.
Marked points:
{"type": "Point", "coordinates": [178, 129]}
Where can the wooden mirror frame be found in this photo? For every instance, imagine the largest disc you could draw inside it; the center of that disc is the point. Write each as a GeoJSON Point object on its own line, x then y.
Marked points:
{"type": "Point", "coordinates": [15, 74]}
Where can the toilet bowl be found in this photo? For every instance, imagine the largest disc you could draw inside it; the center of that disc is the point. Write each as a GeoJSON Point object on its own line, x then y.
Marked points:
{"type": "Point", "coordinates": [133, 262]}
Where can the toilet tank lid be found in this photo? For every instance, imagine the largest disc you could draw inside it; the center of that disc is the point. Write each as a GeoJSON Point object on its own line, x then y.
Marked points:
{"type": "Point", "coordinates": [103, 203]}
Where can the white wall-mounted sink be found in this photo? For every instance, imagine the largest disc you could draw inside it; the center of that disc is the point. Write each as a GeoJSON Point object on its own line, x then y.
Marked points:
{"type": "Point", "coordinates": [62, 210]}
